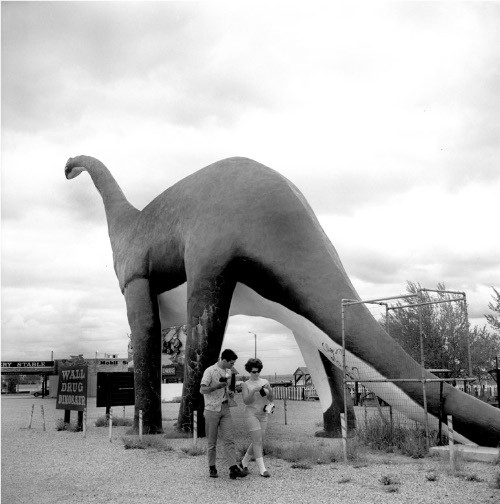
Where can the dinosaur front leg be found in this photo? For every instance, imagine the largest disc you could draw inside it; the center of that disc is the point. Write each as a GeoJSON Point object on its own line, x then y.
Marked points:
{"type": "Point", "coordinates": [209, 299]}
{"type": "Point", "coordinates": [144, 321]}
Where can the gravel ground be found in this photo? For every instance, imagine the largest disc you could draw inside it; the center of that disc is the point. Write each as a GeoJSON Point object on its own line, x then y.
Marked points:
{"type": "Point", "coordinates": [63, 467]}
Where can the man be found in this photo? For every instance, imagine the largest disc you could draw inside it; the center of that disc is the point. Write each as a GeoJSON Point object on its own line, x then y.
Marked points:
{"type": "Point", "coordinates": [214, 387]}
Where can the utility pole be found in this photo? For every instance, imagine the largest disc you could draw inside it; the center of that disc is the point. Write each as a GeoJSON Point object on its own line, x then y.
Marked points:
{"type": "Point", "coordinates": [255, 338]}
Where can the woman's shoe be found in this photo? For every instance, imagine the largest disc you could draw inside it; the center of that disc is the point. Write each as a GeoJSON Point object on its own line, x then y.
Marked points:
{"type": "Point", "coordinates": [244, 470]}
{"type": "Point", "coordinates": [265, 474]}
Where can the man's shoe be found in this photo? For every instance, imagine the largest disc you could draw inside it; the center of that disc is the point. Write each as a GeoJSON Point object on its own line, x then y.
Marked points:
{"type": "Point", "coordinates": [236, 472]}
{"type": "Point", "coordinates": [213, 472]}
{"type": "Point", "coordinates": [244, 470]}
{"type": "Point", "coordinates": [265, 474]}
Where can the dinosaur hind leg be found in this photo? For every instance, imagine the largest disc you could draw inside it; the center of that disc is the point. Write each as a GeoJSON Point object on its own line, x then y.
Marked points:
{"type": "Point", "coordinates": [328, 381]}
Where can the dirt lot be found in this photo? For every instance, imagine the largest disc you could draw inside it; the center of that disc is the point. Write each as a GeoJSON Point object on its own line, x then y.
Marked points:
{"type": "Point", "coordinates": [64, 467]}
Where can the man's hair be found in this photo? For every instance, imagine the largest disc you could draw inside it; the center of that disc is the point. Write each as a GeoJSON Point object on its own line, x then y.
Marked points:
{"type": "Point", "coordinates": [228, 355]}
{"type": "Point", "coordinates": [253, 363]}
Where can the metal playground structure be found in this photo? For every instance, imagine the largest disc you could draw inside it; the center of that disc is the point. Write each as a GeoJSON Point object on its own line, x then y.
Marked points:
{"type": "Point", "coordinates": [375, 383]}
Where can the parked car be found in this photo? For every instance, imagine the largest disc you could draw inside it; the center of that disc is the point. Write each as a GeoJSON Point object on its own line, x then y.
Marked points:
{"type": "Point", "coordinates": [39, 392]}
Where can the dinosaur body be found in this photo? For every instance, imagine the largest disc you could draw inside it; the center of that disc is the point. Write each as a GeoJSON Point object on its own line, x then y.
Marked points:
{"type": "Point", "coordinates": [237, 231]}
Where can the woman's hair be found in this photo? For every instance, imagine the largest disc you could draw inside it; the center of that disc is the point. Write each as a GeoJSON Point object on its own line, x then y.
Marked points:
{"type": "Point", "coordinates": [253, 363]}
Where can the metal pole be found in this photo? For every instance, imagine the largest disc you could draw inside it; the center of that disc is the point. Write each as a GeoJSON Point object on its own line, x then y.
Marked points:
{"type": "Point", "coordinates": [498, 382]}
{"type": "Point", "coordinates": [458, 293]}
{"type": "Point", "coordinates": [255, 340]}
{"type": "Point", "coordinates": [423, 304]}
{"type": "Point", "coordinates": [422, 359]}
{"type": "Point", "coordinates": [357, 301]}
{"type": "Point", "coordinates": [387, 319]}
{"type": "Point", "coordinates": [441, 413]}
{"type": "Point", "coordinates": [467, 336]}
{"type": "Point", "coordinates": [344, 366]}
{"type": "Point", "coordinates": [284, 404]}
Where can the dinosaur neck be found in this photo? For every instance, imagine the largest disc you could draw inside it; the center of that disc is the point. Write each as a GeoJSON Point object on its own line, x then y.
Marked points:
{"type": "Point", "coordinates": [118, 210]}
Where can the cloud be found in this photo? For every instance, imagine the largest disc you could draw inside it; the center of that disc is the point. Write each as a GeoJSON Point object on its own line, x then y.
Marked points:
{"type": "Point", "coordinates": [384, 116]}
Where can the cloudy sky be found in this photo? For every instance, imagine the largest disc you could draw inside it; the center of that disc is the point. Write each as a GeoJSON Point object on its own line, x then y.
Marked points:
{"type": "Point", "coordinates": [385, 115]}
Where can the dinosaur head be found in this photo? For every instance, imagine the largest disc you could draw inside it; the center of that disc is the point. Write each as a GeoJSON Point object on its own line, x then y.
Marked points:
{"type": "Point", "coordinates": [74, 166]}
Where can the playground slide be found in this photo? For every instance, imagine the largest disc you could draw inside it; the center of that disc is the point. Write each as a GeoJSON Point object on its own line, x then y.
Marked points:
{"type": "Point", "coordinates": [312, 340]}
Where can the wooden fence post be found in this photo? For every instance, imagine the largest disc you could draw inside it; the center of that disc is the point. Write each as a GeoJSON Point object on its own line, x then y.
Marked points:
{"type": "Point", "coordinates": [110, 423]}
{"type": "Point", "coordinates": [31, 416]}
{"type": "Point", "coordinates": [451, 443]}
{"type": "Point", "coordinates": [195, 426]}
{"type": "Point", "coordinates": [344, 435]}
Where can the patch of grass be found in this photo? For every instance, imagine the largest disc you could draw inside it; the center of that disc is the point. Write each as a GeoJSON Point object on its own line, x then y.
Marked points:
{"type": "Point", "coordinates": [147, 442]}
{"type": "Point", "coordinates": [390, 484]}
{"type": "Point", "coordinates": [103, 421]}
{"type": "Point", "coordinates": [379, 435]}
{"type": "Point", "coordinates": [496, 482]}
{"type": "Point", "coordinates": [352, 449]}
{"type": "Point", "coordinates": [194, 450]}
{"type": "Point", "coordinates": [176, 434]}
{"type": "Point", "coordinates": [389, 480]}
{"type": "Point", "coordinates": [458, 464]}
{"type": "Point", "coordinates": [391, 489]}
{"type": "Point", "coordinates": [61, 425]}
{"type": "Point", "coordinates": [302, 452]}
{"type": "Point", "coordinates": [301, 465]}
{"type": "Point", "coordinates": [470, 477]}
{"type": "Point", "coordinates": [431, 476]}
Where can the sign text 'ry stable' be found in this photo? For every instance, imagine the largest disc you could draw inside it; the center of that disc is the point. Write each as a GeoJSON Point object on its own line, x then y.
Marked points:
{"type": "Point", "coordinates": [72, 388]}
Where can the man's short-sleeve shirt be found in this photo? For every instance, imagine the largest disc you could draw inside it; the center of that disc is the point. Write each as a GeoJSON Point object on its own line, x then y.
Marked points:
{"type": "Point", "coordinates": [211, 377]}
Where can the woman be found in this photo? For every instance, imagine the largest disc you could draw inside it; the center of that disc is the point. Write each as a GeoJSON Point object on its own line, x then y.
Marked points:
{"type": "Point", "coordinates": [257, 393]}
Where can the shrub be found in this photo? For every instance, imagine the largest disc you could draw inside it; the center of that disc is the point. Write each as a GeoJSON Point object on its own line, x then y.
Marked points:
{"type": "Point", "coordinates": [300, 465]}
{"type": "Point", "coordinates": [389, 480]}
{"type": "Point", "coordinates": [61, 425]}
{"type": "Point", "coordinates": [103, 421]}
{"type": "Point", "coordinates": [391, 484]}
{"type": "Point", "coordinates": [391, 489]}
{"type": "Point", "coordinates": [431, 476]}
{"type": "Point", "coordinates": [496, 482]}
{"type": "Point", "coordinates": [302, 452]}
{"type": "Point", "coordinates": [151, 442]}
{"type": "Point", "coordinates": [471, 477]}
{"type": "Point", "coordinates": [379, 435]}
{"type": "Point", "coordinates": [194, 450]}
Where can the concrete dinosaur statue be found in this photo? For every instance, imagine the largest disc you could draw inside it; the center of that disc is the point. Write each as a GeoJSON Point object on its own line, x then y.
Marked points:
{"type": "Point", "coordinates": [238, 236]}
